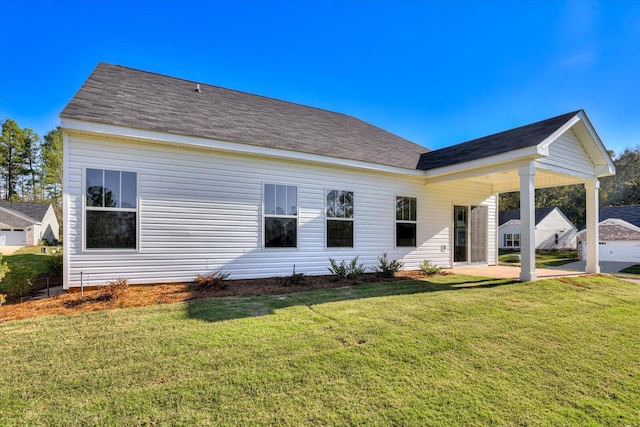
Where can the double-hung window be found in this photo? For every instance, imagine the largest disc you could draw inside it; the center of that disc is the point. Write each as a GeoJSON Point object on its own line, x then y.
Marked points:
{"type": "Point", "coordinates": [111, 209]}
{"type": "Point", "coordinates": [406, 221]}
{"type": "Point", "coordinates": [512, 240]}
{"type": "Point", "coordinates": [280, 216]}
{"type": "Point", "coordinates": [339, 214]}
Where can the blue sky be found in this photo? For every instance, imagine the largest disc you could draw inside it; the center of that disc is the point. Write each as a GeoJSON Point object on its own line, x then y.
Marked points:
{"type": "Point", "coordinates": [435, 72]}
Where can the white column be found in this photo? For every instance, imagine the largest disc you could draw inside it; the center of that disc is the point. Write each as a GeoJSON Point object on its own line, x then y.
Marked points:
{"type": "Point", "coordinates": [593, 239]}
{"type": "Point", "coordinates": [527, 223]}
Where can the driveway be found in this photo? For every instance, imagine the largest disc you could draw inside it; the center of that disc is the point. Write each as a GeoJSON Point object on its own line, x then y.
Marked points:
{"type": "Point", "coordinates": [605, 266]}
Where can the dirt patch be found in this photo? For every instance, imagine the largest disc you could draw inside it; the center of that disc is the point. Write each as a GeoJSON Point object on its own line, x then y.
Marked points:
{"type": "Point", "coordinates": [140, 296]}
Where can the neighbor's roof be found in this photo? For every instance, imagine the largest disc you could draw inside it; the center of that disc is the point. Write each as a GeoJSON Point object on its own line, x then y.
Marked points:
{"type": "Point", "coordinates": [614, 229]}
{"type": "Point", "coordinates": [121, 96]}
{"type": "Point", "coordinates": [630, 214]}
{"type": "Point", "coordinates": [35, 211]}
{"type": "Point", "coordinates": [499, 143]}
{"type": "Point", "coordinates": [506, 216]}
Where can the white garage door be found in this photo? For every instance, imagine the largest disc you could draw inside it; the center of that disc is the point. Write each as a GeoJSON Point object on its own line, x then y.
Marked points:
{"type": "Point", "coordinates": [12, 238]}
{"type": "Point", "coordinates": [622, 251]}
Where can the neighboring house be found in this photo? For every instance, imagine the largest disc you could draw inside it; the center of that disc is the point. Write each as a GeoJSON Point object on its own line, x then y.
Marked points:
{"type": "Point", "coordinates": [165, 178]}
{"type": "Point", "coordinates": [553, 230]}
{"type": "Point", "coordinates": [27, 223]}
{"type": "Point", "coordinates": [619, 233]}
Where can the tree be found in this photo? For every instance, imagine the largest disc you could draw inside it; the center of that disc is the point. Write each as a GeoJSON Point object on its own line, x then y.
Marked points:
{"type": "Point", "coordinates": [52, 165]}
{"type": "Point", "coordinates": [623, 188]}
{"type": "Point", "coordinates": [11, 157]}
{"type": "Point", "coordinates": [31, 156]}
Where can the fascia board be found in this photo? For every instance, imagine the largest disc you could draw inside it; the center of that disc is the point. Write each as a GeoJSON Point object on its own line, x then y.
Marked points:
{"type": "Point", "coordinates": [528, 153]}
{"type": "Point", "coordinates": [132, 134]}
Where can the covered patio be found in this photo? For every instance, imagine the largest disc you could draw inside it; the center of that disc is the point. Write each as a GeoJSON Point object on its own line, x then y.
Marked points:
{"type": "Point", "coordinates": [563, 150]}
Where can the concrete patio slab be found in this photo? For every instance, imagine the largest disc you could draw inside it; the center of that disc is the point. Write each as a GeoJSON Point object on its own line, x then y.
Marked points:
{"type": "Point", "coordinates": [509, 272]}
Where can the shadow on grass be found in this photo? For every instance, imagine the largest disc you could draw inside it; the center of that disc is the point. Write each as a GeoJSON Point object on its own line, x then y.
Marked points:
{"type": "Point", "coordinates": [228, 308]}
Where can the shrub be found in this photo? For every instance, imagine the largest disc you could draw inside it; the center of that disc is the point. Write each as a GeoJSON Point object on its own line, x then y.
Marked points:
{"type": "Point", "coordinates": [351, 271]}
{"type": "Point", "coordinates": [296, 279]}
{"type": "Point", "coordinates": [55, 264]}
{"type": "Point", "coordinates": [114, 290]}
{"type": "Point", "coordinates": [386, 268]}
{"type": "Point", "coordinates": [213, 281]}
{"type": "Point", "coordinates": [429, 268]}
{"type": "Point", "coordinates": [18, 281]}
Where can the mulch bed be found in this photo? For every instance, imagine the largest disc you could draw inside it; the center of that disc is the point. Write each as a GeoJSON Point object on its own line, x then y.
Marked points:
{"type": "Point", "coordinates": [140, 296]}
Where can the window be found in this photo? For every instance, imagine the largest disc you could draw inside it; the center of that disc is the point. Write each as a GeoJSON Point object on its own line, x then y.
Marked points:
{"type": "Point", "coordinates": [280, 216]}
{"type": "Point", "coordinates": [512, 240]}
{"type": "Point", "coordinates": [406, 218]}
{"type": "Point", "coordinates": [557, 237]}
{"type": "Point", "coordinates": [111, 209]}
{"type": "Point", "coordinates": [339, 213]}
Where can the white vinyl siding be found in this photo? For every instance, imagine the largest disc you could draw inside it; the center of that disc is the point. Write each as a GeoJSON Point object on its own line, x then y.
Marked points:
{"type": "Point", "coordinates": [200, 211]}
{"type": "Point", "coordinates": [568, 154]}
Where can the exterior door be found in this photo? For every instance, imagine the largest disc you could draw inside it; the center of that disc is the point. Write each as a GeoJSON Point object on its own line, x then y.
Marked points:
{"type": "Point", "coordinates": [478, 233]}
{"type": "Point", "coordinates": [470, 234]}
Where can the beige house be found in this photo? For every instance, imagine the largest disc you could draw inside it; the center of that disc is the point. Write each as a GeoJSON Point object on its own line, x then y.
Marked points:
{"type": "Point", "coordinates": [27, 223]}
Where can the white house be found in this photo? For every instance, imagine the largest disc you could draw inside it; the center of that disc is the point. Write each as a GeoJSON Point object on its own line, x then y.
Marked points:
{"type": "Point", "coordinates": [27, 223]}
{"type": "Point", "coordinates": [553, 230]}
{"type": "Point", "coordinates": [165, 178]}
{"type": "Point", "coordinates": [619, 235]}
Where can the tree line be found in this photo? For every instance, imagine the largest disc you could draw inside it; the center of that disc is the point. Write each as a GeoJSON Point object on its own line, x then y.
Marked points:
{"type": "Point", "coordinates": [30, 166]}
{"type": "Point", "coordinates": [622, 189]}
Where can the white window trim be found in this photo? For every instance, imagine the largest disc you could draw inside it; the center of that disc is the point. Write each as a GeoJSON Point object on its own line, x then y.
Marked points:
{"type": "Point", "coordinates": [83, 225]}
{"type": "Point", "coordinates": [265, 216]}
{"type": "Point", "coordinates": [332, 218]}
{"type": "Point", "coordinates": [395, 228]}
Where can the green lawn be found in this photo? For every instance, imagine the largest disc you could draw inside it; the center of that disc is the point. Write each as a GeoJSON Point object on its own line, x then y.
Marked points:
{"type": "Point", "coordinates": [543, 259]}
{"type": "Point", "coordinates": [634, 269]}
{"type": "Point", "coordinates": [30, 257]}
{"type": "Point", "coordinates": [453, 351]}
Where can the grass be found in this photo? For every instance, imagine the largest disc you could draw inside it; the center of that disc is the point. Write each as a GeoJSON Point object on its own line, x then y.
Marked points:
{"type": "Point", "coordinates": [454, 350]}
{"type": "Point", "coordinates": [30, 257]}
{"type": "Point", "coordinates": [634, 269]}
{"type": "Point", "coordinates": [543, 259]}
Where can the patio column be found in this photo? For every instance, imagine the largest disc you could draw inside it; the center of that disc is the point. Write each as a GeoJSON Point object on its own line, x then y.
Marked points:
{"type": "Point", "coordinates": [527, 223]}
{"type": "Point", "coordinates": [593, 239]}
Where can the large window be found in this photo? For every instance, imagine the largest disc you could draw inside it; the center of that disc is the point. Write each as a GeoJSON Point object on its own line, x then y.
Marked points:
{"type": "Point", "coordinates": [406, 221]}
{"type": "Point", "coordinates": [111, 209]}
{"type": "Point", "coordinates": [280, 216]}
{"type": "Point", "coordinates": [339, 213]}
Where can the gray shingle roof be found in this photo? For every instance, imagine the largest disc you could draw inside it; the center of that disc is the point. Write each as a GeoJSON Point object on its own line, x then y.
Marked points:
{"type": "Point", "coordinates": [506, 216]}
{"type": "Point", "coordinates": [35, 211]}
{"type": "Point", "coordinates": [117, 95]}
{"type": "Point", "coordinates": [631, 214]}
{"type": "Point", "coordinates": [514, 139]}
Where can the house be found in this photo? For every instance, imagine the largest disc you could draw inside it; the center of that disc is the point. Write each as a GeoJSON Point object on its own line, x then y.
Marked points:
{"type": "Point", "coordinates": [553, 230]}
{"type": "Point", "coordinates": [619, 235]}
{"type": "Point", "coordinates": [165, 178]}
{"type": "Point", "coordinates": [27, 223]}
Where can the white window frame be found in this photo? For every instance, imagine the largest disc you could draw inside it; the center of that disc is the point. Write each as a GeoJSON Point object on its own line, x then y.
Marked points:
{"type": "Point", "coordinates": [296, 216]}
{"type": "Point", "coordinates": [404, 221]}
{"type": "Point", "coordinates": [328, 218]}
{"type": "Point", "coordinates": [85, 208]}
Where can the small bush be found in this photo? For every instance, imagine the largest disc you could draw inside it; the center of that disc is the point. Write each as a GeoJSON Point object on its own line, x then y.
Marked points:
{"type": "Point", "coordinates": [296, 279]}
{"type": "Point", "coordinates": [351, 271]}
{"type": "Point", "coordinates": [213, 281]}
{"type": "Point", "coordinates": [114, 290]}
{"type": "Point", "coordinates": [429, 268]}
{"type": "Point", "coordinates": [386, 268]}
{"type": "Point", "coordinates": [18, 282]}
